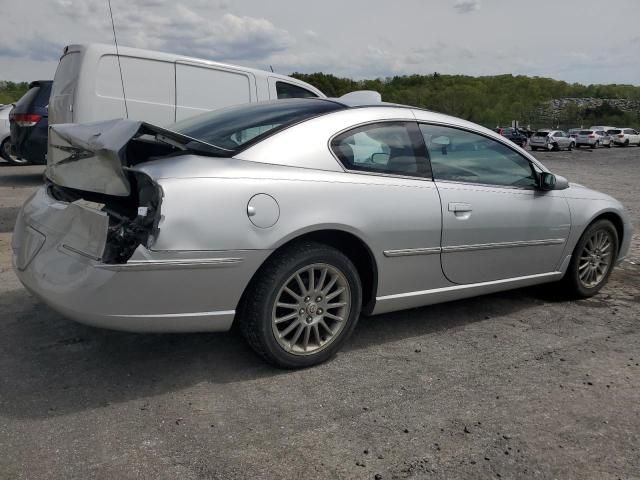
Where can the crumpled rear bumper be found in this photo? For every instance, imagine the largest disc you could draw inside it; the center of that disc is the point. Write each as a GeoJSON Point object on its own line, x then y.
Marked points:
{"type": "Point", "coordinates": [54, 256]}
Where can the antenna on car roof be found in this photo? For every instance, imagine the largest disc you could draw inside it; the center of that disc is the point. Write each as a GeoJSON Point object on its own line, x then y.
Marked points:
{"type": "Point", "coordinates": [115, 40]}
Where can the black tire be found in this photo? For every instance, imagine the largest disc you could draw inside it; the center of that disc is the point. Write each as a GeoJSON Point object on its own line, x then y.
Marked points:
{"type": "Point", "coordinates": [609, 145]}
{"type": "Point", "coordinates": [570, 147]}
{"type": "Point", "coordinates": [534, 149]}
{"type": "Point", "coordinates": [573, 287]}
{"type": "Point", "coordinates": [5, 155]}
{"type": "Point", "coordinates": [257, 304]}
{"type": "Point", "coordinates": [626, 143]}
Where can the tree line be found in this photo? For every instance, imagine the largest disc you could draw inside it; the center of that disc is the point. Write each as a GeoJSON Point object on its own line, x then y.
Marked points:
{"type": "Point", "coordinates": [493, 100]}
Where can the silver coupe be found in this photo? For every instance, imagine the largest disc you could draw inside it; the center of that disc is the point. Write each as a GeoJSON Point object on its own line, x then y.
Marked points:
{"type": "Point", "coordinates": [292, 218]}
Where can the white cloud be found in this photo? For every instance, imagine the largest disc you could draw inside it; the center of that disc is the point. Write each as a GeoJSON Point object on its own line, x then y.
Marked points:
{"type": "Point", "coordinates": [466, 6]}
{"type": "Point", "coordinates": [195, 29]}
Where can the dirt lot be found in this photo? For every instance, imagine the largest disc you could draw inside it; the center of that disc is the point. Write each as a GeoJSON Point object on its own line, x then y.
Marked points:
{"type": "Point", "coordinates": [513, 385]}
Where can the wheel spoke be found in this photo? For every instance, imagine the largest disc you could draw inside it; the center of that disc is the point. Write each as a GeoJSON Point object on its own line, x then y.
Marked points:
{"type": "Point", "coordinates": [305, 340]}
{"type": "Point", "coordinates": [296, 335]}
{"type": "Point", "coordinates": [312, 280]}
{"type": "Point", "coordinates": [290, 316]}
{"type": "Point", "coordinates": [289, 329]}
{"type": "Point", "coordinates": [335, 305]}
{"type": "Point", "coordinates": [291, 306]}
{"type": "Point", "coordinates": [301, 285]}
{"type": "Point", "coordinates": [316, 334]}
{"type": "Point", "coordinates": [330, 285]}
{"type": "Point", "coordinates": [323, 277]}
{"type": "Point", "coordinates": [335, 293]}
{"type": "Point", "coordinates": [324, 325]}
{"type": "Point", "coordinates": [337, 318]}
{"type": "Point", "coordinates": [292, 293]}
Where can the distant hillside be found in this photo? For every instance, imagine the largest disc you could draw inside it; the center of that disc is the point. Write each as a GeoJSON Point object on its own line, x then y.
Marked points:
{"type": "Point", "coordinates": [496, 100]}
{"type": "Point", "coordinates": [10, 92]}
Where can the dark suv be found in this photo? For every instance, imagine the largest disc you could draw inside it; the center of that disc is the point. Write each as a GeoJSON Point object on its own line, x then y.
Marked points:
{"type": "Point", "coordinates": [29, 122]}
{"type": "Point", "coordinates": [517, 136]}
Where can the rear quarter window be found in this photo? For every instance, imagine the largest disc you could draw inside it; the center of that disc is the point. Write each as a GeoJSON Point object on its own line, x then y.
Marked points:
{"type": "Point", "coordinates": [288, 90]}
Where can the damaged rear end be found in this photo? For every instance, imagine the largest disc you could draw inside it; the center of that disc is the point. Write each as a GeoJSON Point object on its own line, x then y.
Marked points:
{"type": "Point", "coordinates": [83, 241]}
{"type": "Point", "coordinates": [112, 208]}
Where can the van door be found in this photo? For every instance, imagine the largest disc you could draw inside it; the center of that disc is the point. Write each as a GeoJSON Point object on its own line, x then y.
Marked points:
{"type": "Point", "coordinates": [201, 88]}
{"type": "Point", "coordinates": [63, 89]}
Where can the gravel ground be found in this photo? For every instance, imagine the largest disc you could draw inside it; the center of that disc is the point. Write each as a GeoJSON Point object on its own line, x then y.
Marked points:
{"type": "Point", "coordinates": [514, 385]}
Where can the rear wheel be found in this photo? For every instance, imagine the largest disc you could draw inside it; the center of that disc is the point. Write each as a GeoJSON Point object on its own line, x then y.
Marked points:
{"type": "Point", "coordinates": [5, 152]}
{"type": "Point", "coordinates": [302, 306]}
{"type": "Point", "coordinates": [592, 260]}
{"type": "Point", "coordinates": [534, 149]}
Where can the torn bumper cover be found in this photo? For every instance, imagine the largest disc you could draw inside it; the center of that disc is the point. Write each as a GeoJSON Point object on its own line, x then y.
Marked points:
{"type": "Point", "coordinates": [56, 250]}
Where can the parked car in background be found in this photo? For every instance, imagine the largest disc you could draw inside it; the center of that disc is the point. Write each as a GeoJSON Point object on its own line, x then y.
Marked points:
{"type": "Point", "coordinates": [593, 139]}
{"type": "Point", "coordinates": [551, 140]}
{"type": "Point", "coordinates": [515, 135]}
{"type": "Point", "coordinates": [159, 88]}
{"type": "Point", "coordinates": [238, 216]}
{"type": "Point", "coordinates": [601, 127]}
{"type": "Point", "coordinates": [573, 132]}
{"type": "Point", "coordinates": [29, 124]}
{"type": "Point", "coordinates": [5, 135]}
{"type": "Point", "coordinates": [624, 136]}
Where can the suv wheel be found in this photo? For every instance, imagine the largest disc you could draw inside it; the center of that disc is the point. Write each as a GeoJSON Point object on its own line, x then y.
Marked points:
{"type": "Point", "coordinates": [5, 152]}
{"type": "Point", "coordinates": [302, 305]}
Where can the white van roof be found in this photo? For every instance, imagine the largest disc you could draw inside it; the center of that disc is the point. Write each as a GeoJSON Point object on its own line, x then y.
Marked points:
{"type": "Point", "coordinates": [99, 49]}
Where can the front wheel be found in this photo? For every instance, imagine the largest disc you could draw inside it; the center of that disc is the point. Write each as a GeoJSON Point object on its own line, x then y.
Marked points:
{"type": "Point", "coordinates": [534, 149]}
{"type": "Point", "coordinates": [592, 260]}
{"type": "Point", "coordinates": [570, 147]}
{"type": "Point", "coordinates": [302, 305]}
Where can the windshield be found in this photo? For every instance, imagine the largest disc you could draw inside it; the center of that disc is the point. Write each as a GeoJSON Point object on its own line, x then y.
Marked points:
{"type": "Point", "coordinates": [541, 133]}
{"type": "Point", "coordinates": [231, 129]}
{"type": "Point", "coordinates": [586, 132]}
{"type": "Point", "coordinates": [614, 132]}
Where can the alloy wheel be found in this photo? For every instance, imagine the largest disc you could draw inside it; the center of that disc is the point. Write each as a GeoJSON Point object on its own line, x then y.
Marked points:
{"type": "Point", "coordinates": [311, 309]}
{"type": "Point", "coordinates": [595, 259]}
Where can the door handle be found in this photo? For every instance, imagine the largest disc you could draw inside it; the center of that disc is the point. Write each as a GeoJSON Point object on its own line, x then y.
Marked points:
{"type": "Point", "coordinates": [460, 207]}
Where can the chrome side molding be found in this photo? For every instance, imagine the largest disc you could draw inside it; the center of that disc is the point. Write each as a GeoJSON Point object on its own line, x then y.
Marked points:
{"type": "Point", "coordinates": [469, 248]}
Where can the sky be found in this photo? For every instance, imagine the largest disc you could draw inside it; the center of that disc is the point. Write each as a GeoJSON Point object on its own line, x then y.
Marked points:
{"type": "Point", "coordinates": [585, 41]}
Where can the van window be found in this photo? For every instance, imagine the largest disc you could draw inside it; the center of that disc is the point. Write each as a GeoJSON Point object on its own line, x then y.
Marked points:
{"type": "Point", "coordinates": [288, 90]}
{"type": "Point", "coordinates": [200, 89]}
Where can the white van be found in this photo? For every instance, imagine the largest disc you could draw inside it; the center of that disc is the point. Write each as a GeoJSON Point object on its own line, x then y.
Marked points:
{"type": "Point", "coordinates": [160, 88]}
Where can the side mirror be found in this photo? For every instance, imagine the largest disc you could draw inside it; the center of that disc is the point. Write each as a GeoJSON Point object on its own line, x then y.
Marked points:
{"type": "Point", "coordinates": [548, 181]}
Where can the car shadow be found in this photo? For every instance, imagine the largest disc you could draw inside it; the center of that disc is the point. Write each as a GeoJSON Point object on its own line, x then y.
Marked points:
{"type": "Point", "coordinates": [52, 366]}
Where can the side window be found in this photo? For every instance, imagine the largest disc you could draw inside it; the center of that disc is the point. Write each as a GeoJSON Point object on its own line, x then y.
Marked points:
{"type": "Point", "coordinates": [288, 90]}
{"type": "Point", "coordinates": [461, 156]}
{"type": "Point", "coordinates": [390, 147]}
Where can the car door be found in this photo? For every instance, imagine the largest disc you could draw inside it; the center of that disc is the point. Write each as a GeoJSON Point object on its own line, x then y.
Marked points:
{"type": "Point", "coordinates": [561, 139]}
{"type": "Point", "coordinates": [495, 223]}
{"type": "Point", "coordinates": [634, 137]}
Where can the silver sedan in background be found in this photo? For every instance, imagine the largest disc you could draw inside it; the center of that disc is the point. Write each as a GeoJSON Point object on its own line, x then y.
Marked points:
{"type": "Point", "coordinates": [551, 140]}
{"type": "Point", "coordinates": [293, 218]}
